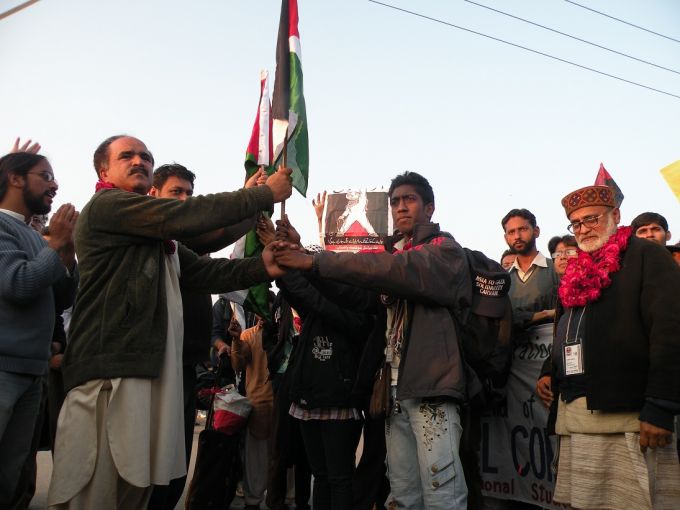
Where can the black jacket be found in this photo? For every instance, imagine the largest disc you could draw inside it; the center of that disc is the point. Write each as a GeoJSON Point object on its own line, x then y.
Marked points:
{"type": "Point", "coordinates": [324, 363]}
{"type": "Point", "coordinates": [632, 353]}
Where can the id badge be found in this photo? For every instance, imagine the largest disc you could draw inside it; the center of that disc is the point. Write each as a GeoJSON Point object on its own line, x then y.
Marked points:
{"type": "Point", "coordinates": [573, 359]}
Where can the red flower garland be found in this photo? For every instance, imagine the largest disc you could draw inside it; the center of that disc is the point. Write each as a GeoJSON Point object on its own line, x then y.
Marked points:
{"type": "Point", "coordinates": [589, 273]}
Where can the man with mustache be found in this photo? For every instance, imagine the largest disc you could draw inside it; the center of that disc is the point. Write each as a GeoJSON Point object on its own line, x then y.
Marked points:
{"type": "Point", "coordinates": [534, 282]}
{"type": "Point", "coordinates": [615, 364]}
{"type": "Point", "coordinates": [36, 276]}
{"type": "Point", "coordinates": [121, 427]}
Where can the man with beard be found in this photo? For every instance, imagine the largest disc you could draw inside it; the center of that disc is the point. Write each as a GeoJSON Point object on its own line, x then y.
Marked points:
{"type": "Point", "coordinates": [36, 276]}
{"type": "Point", "coordinates": [121, 426]}
{"type": "Point", "coordinates": [534, 282]}
{"type": "Point", "coordinates": [652, 226]}
{"type": "Point", "coordinates": [615, 364]}
{"type": "Point", "coordinates": [533, 294]}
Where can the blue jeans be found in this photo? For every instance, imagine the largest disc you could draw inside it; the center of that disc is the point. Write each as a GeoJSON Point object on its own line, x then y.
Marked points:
{"type": "Point", "coordinates": [19, 406]}
{"type": "Point", "coordinates": [422, 456]}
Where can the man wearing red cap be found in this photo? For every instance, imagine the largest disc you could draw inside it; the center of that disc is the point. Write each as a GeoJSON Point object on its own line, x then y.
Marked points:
{"type": "Point", "coordinates": [615, 359]}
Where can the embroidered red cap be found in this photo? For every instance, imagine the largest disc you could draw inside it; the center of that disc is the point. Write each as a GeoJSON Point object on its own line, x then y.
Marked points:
{"type": "Point", "coordinates": [590, 195]}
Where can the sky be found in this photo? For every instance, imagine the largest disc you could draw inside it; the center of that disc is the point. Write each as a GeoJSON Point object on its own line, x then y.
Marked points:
{"type": "Point", "coordinates": [491, 126]}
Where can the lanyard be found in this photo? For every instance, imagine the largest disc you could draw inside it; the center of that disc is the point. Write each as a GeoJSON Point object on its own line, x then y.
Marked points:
{"type": "Point", "coordinates": [578, 326]}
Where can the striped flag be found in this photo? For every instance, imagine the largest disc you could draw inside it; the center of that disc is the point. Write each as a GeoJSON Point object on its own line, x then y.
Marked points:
{"type": "Point", "coordinates": [258, 153]}
{"type": "Point", "coordinates": [288, 109]}
{"type": "Point", "coordinates": [604, 179]}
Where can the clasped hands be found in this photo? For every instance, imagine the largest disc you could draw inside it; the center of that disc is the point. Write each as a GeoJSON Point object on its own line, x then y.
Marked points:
{"type": "Point", "coordinates": [285, 252]}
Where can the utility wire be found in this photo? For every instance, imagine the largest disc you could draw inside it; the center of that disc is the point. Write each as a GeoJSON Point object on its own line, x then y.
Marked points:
{"type": "Point", "coordinates": [622, 21]}
{"type": "Point", "coordinates": [16, 9]}
{"type": "Point", "coordinates": [572, 36]}
{"type": "Point", "coordinates": [525, 48]}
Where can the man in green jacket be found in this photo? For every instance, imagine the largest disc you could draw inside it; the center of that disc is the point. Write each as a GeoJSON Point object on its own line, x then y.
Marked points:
{"type": "Point", "coordinates": [120, 430]}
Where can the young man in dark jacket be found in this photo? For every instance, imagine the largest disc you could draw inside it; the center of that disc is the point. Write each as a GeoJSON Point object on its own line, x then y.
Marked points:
{"type": "Point", "coordinates": [423, 279]}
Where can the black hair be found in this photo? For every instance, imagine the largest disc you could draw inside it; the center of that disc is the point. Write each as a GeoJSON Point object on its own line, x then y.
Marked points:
{"type": "Point", "coordinates": [522, 213]}
{"type": "Point", "coordinates": [646, 218]}
{"type": "Point", "coordinates": [416, 180]}
{"type": "Point", "coordinates": [566, 239]}
{"type": "Point", "coordinates": [164, 172]}
{"type": "Point", "coordinates": [17, 163]}
{"type": "Point", "coordinates": [101, 153]}
{"type": "Point", "coordinates": [505, 254]}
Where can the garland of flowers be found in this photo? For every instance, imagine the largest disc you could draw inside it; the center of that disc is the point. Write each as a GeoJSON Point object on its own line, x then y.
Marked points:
{"type": "Point", "coordinates": [589, 273]}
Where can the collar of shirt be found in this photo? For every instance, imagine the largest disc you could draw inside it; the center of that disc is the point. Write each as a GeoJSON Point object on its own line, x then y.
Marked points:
{"type": "Point", "coordinates": [15, 215]}
{"type": "Point", "coordinates": [539, 260]}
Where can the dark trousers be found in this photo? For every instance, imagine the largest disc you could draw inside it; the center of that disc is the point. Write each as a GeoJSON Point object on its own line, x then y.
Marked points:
{"type": "Point", "coordinates": [371, 485]}
{"type": "Point", "coordinates": [287, 449]}
{"type": "Point", "coordinates": [331, 447]}
{"type": "Point", "coordinates": [25, 489]}
{"type": "Point", "coordinates": [165, 497]}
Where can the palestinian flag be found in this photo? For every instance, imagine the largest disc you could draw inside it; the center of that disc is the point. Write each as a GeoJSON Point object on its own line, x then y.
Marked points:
{"type": "Point", "coordinates": [255, 299]}
{"type": "Point", "coordinates": [259, 151]}
{"type": "Point", "coordinates": [258, 154]}
{"type": "Point", "coordinates": [604, 179]}
{"type": "Point", "coordinates": [288, 108]}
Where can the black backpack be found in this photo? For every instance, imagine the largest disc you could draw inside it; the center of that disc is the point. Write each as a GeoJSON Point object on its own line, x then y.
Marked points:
{"type": "Point", "coordinates": [486, 326]}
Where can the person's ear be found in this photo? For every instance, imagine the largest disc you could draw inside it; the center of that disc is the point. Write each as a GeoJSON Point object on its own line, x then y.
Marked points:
{"type": "Point", "coordinates": [429, 210]}
{"type": "Point", "coordinates": [154, 191]}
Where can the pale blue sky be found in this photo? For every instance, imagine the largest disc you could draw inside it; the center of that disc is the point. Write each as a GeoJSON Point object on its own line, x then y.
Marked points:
{"type": "Point", "coordinates": [491, 126]}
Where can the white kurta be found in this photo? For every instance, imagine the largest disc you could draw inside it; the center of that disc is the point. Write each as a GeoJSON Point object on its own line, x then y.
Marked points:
{"type": "Point", "coordinates": [144, 418]}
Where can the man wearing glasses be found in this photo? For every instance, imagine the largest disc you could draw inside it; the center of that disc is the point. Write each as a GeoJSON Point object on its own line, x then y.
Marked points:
{"type": "Point", "coordinates": [36, 276]}
{"type": "Point", "coordinates": [615, 364]}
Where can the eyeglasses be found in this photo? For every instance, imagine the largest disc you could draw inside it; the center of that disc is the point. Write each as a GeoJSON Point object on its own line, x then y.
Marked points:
{"type": "Point", "coordinates": [588, 221]}
{"type": "Point", "coordinates": [45, 176]}
{"type": "Point", "coordinates": [569, 252]}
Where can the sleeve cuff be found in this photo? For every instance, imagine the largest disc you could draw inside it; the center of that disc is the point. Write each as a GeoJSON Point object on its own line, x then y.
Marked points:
{"type": "Point", "coordinates": [656, 415]}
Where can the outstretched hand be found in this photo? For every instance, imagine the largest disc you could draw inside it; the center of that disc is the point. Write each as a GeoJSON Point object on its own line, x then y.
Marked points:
{"type": "Point", "coordinates": [281, 184]}
{"type": "Point", "coordinates": [26, 147]}
{"type": "Point", "coordinates": [265, 230]}
{"type": "Point", "coordinates": [257, 179]}
{"type": "Point", "coordinates": [274, 270]}
{"type": "Point", "coordinates": [318, 205]}
{"type": "Point", "coordinates": [286, 232]}
{"type": "Point", "coordinates": [294, 257]}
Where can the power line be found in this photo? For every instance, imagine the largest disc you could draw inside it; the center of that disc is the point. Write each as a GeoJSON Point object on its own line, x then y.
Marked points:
{"type": "Point", "coordinates": [525, 48]}
{"type": "Point", "coordinates": [572, 37]}
{"type": "Point", "coordinates": [17, 8]}
{"type": "Point", "coordinates": [622, 21]}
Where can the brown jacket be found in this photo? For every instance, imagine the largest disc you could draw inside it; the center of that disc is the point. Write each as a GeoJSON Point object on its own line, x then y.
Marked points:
{"type": "Point", "coordinates": [433, 277]}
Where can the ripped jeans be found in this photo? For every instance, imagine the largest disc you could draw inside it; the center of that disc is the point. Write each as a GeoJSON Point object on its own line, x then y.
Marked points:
{"type": "Point", "coordinates": [424, 467]}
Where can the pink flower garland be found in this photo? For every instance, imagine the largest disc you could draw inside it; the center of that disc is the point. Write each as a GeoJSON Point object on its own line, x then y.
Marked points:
{"type": "Point", "coordinates": [589, 273]}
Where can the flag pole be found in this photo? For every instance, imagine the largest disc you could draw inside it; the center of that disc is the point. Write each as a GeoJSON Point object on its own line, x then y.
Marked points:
{"type": "Point", "coordinates": [285, 164]}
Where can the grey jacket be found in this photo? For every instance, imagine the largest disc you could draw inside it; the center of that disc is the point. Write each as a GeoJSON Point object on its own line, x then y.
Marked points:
{"type": "Point", "coordinates": [433, 278]}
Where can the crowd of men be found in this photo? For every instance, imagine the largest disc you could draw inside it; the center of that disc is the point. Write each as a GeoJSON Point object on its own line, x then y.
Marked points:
{"type": "Point", "coordinates": [107, 314]}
